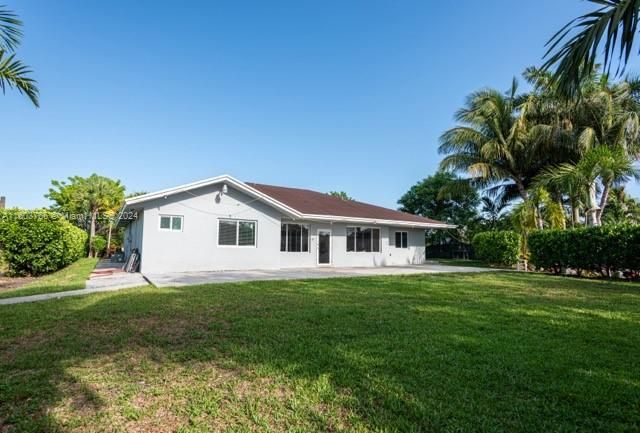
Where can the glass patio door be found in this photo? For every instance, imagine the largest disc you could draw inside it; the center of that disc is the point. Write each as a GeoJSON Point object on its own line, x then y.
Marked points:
{"type": "Point", "coordinates": [324, 247]}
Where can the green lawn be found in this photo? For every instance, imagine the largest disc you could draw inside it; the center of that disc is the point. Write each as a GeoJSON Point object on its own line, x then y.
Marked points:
{"type": "Point", "coordinates": [72, 277]}
{"type": "Point", "coordinates": [470, 263]}
{"type": "Point", "coordinates": [496, 352]}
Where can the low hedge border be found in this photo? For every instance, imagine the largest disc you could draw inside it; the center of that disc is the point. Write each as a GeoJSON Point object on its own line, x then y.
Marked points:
{"type": "Point", "coordinates": [605, 250]}
{"type": "Point", "coordinates": [497, 247]}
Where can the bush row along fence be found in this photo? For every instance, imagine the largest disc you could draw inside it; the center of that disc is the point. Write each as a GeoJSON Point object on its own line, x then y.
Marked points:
{"type": "Point", "coordinates": [604, 250]}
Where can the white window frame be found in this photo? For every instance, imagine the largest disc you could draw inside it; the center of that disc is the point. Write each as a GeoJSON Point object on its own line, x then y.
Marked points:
{"type": "Point", "coordinates": [286, 238]}
{"type": "Point", "coordinates": [238, 221]}
{"type": "Point", "coordinates": [355, 251]}
{"type": "Point", "coordinates": [394, 239]}
{"type": "Point", "coordinates": [171, 217]}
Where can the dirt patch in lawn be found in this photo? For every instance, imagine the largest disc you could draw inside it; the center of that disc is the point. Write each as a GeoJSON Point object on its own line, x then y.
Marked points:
{"type": "Point", "coordinates": [8, 283]}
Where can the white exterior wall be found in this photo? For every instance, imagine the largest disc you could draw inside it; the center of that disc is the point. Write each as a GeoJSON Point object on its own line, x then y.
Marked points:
{"type": "Point", "coordinates": [389, 255]}
{"type": "Point", "coordinates": [195, 248]}
{"type": "Point", "coordinates": [133, 235]}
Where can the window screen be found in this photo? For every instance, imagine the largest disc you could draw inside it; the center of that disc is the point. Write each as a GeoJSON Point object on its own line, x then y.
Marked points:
{"type": "Point", "coordinates": [246, 233]}
{"type": "Point", "coordinates": [165, 222]}
{"type": "Point", "coordinates": [294, 238]}
{"type": "Point", "coordinates": [240, 233]}
{"type": "Point", "coordinates": [227, 232]}
{"type": "Point", "coordinates": [363, 239]}
{"type": "Point", "coordinates": [171, 223]}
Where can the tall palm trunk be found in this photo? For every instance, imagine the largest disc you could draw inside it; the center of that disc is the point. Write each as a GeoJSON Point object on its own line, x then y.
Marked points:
{"type": "Point", "coordinates": [603, 202]}
{"type": "Point", "coordinates": [592, 212]}
{"type": "Point", "coordinates": [575, 212]}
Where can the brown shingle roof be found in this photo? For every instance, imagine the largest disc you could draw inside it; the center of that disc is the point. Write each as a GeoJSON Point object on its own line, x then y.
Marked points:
{"type": "Point", "coordinates": [316, 203]}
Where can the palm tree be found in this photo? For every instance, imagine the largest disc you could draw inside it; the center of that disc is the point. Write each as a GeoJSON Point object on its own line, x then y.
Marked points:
{"type": "Point", "coordinates": [600, 169]}
{"type": "Point", "coordinates": [492, 209]}
{"type": "Point", "coordinates": [14, 73]}
{"type": "Point", "coordinates": [99, 194]}
{"type": "Point", "coordinates": [574, 55]}
{"type": "Point", "coordinates": [494, 144]}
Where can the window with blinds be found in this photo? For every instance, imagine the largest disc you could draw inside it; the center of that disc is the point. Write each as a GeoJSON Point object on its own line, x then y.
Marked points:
{"type": "Point", "coordinates": [239, 233]}
{"type": "Point", "coordinates": [363, 239]}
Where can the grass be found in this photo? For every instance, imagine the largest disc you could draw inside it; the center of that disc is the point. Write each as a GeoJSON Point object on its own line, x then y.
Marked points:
{"type": "Point", "coordinates": [469, 263]}
{"type": "Point", "coordinates": [490, 352]}
{"type": "Point", "coordinates": [72, 277]}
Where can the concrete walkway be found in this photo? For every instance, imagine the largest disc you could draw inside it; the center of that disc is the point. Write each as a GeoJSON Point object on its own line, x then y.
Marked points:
{"type": "Point", "coordinates": [175, 279]}
{"type": "Point", "coordinates": [104, 287]}
{"type": "Point", "coordinates": [106, 277]}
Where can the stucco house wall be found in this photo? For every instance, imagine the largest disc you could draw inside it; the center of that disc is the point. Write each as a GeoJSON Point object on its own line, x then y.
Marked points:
{"type": "Point", "coordinates": [202, 205]}
{"type": "Point", "coordinates": [195, 248]}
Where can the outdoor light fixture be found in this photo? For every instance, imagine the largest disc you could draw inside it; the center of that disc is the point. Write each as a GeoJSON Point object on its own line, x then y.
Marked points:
{"type": "Point", "coordinates": [222, 192]}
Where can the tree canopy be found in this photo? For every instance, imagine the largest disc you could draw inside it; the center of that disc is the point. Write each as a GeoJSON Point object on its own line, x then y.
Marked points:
{"type": "Point", "coordinates": [89, 201]}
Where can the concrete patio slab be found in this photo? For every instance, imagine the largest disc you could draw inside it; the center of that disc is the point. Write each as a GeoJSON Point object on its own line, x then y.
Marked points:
{"type": "Point", "coordinates": [174, 279]}
{"type": "Point", "coordinates": [120, 280]}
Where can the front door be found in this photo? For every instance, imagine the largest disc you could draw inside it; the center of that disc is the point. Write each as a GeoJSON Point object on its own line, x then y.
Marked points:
{"type": "Point", "coordinates": [324, 247]}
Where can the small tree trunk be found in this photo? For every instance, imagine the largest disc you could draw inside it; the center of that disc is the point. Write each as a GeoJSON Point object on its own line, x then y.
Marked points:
{"type": "Point", "coordinates": [92, 231]}
{"type": "Point", "coordinates": [592, 218]}
{"type": "Point", "coordinates": [109, 237]}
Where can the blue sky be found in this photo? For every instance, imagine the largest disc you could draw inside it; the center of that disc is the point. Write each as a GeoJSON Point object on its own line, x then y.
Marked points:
{"type": "Point", "coordinates": [344, 95]}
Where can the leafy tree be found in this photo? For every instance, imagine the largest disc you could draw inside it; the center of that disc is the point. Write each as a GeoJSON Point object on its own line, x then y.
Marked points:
{"type": "Point", "coordinates": [14, 73]}
{"type": "Point", "coordinates": [444, 197]}
{"type": "Point", "coordinates": [573, 50]}
{"type": "Point", "coordinates": [90, 197]}
{"type": "Point", "coordinates": [340, 194]}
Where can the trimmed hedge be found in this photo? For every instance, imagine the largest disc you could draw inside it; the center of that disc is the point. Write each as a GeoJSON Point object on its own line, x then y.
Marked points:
{"type": "Point", "coordinates": [497, 247]}
{"type": "Point", "coordinates": [604, 250]}
{"type": "Point", "coordinates": [36, 242]}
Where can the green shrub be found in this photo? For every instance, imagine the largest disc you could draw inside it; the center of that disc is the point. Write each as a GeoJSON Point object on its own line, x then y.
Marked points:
{"type": "Point", "coordinates": [99, 245]}
{"type": "Point", "coordinates": [497, 247]}
{"type": "Point", "coordinates": [36, 242]}
{"type": "Point", "coordinates": [604, 250]}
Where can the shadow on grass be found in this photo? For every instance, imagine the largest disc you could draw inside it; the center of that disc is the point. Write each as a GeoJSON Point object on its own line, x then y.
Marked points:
{"type": "Point", "coordinates": [491, 352]}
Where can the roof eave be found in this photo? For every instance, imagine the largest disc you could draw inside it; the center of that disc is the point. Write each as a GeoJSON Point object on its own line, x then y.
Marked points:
{"type": "Point", "coordinates": [376, 221]}
{"type": "Point", "coordinates": [289, 211]}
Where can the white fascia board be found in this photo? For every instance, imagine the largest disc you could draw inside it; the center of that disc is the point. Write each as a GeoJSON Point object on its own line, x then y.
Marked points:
{"type": "Point", "coordinates": [212, 181]}
{"type": "Point", "coordinates": [383, 222]}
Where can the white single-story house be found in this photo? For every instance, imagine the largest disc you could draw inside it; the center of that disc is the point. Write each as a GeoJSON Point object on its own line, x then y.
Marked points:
{"type": "Point", "coordinates": [222, 224]}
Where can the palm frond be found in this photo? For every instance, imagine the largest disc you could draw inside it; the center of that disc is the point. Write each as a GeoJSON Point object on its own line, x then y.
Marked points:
{"type": "Point", "coordinates": [574, 55]}
{"type": "Point", "coordinates": [15, 74]}
{"type": "Point", "coordinates": [10, 30]}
